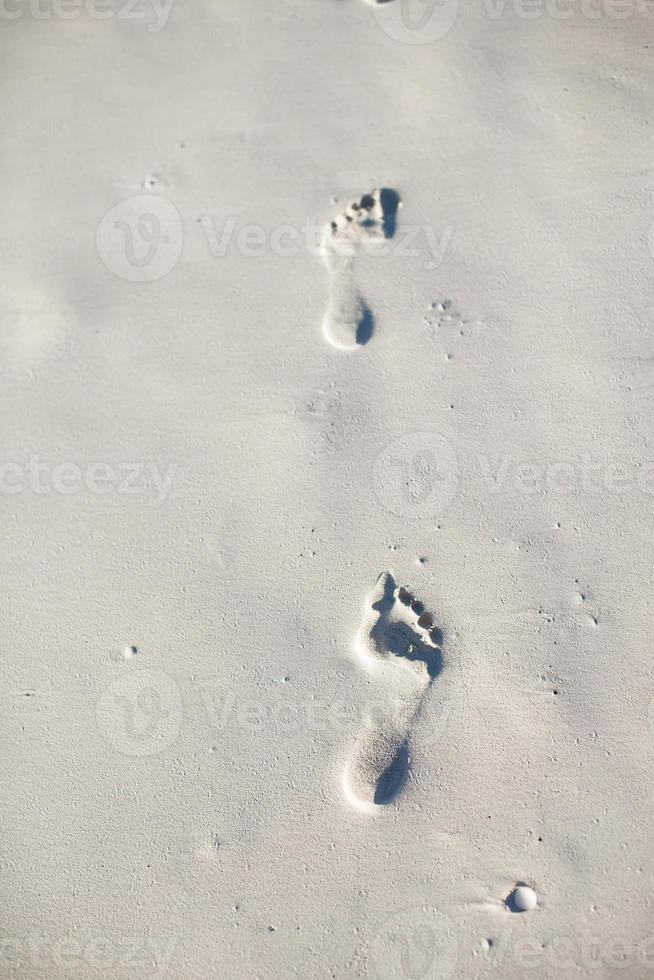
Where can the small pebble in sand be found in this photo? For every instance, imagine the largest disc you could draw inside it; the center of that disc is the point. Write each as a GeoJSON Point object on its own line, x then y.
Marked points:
{"type": "Point", "coordinates": [523, 898]}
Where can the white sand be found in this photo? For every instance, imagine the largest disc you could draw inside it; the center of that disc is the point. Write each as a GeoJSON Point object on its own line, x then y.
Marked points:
{"type": "Point", "coordinates": [189, 469]}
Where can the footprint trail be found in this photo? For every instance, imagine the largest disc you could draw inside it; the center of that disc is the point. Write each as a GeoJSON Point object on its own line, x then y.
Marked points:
{"type": "Point", "coordinates": [365, 223]}
{"type": "Point", "coordinates": [398, 642]}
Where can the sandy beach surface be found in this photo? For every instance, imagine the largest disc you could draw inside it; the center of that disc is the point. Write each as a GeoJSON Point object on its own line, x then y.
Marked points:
{"type": "Point", "coordinates": [326, 486]}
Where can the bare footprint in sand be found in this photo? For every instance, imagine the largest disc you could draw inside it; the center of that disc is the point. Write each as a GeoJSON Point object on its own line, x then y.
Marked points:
{"type": "Point", "coordinates": [365, 223]}
{"type": "Point", "coordinates": [398, 642]}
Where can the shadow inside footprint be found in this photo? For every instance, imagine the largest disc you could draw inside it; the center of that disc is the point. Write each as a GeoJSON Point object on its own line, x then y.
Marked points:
{"type": "Point", "coordinates": [432, 658]}
{"type": "Point", "coordinates": [387, 598]}
{"type": "Point", "coordinates": [401, 639]}
{"type": "Point", "coordinates": [396, 629]}
{"type": "Point", "coordinates": [393, 778]}
{"type": "Point", "coordinates": [365, 327]}
{"type": "Point", "coordinates": [437, 636]}
{"type": "Point", "coordinates": [404, 643]}
{"type": "Point", "coordinates": [390, 202]}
